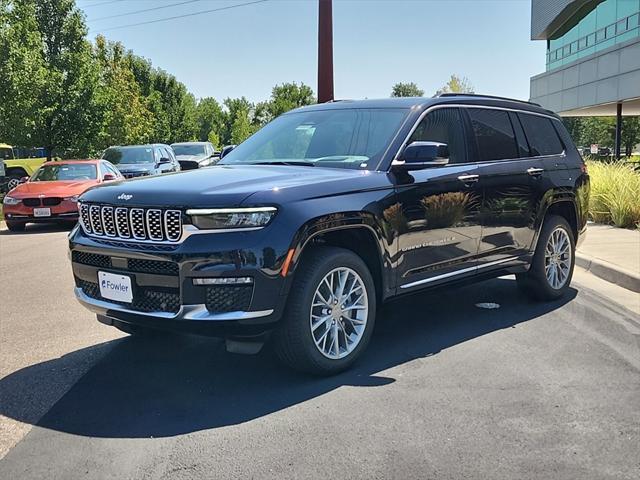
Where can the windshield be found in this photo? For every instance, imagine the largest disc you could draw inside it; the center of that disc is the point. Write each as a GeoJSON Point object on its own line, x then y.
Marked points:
{"type": "Point", "coordinates": [188, 149]}
{"type": "Point", "coordinates": [69, 171]}
{"type": "Point", "coordinates": [129, 155]}
{"type": "Point", "coordinates": [348, 138]}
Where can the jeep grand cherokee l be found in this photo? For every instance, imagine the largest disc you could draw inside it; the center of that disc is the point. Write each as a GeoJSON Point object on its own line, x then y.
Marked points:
{"type": "Point", "coordinates": [300, 232]}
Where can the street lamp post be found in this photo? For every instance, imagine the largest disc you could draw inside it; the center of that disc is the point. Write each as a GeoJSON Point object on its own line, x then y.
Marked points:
{"type": "Point", "coordinates": [325, 51]}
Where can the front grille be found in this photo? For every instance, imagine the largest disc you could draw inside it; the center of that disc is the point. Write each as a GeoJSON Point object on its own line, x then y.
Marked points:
{"type": "Point", "coordinates": [145, 299]}
{"type": "Point", "coordinates": [157, 267]}
{"type": "Point", "coordinates": [228, 298]}
{"type": "Point", "coordinates": [131, 223]}
{"type": "Point", "coordinates": [51, 201]}
{"type": "Point", "coordinates": [31, 202]}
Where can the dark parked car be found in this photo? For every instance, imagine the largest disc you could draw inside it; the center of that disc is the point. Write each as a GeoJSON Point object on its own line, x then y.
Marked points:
{"type": "Point", "coordinates": [304, 229]}
{"type": "Point", "coordinates": [142, 160]}
{"type": "Point", "coordinates": [193, 155]}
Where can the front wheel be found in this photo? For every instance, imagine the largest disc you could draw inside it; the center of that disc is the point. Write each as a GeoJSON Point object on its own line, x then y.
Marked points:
{"type": "Point", "coordinates": [330, 313]}
{"type": "Point", "coordinates": [551, 269]}
{"type": "Point", "coordinates": [16, 226]}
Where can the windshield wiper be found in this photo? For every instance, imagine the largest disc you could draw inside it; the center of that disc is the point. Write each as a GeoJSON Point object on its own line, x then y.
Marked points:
{"type": "Point", "coordinates": [282, 162]}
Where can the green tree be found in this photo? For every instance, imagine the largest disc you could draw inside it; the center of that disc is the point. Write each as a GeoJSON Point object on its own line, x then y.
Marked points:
{"type": "Point", "coordinates": [630, 134]}
{"type": "Point", "coordinates": [406, 90]}
{"type": "Point", "coordinates": [288, 96]}
{"type": "Point", "coordinates": [214, 139]}
{"type": "Point", "coordinates": [456, 84]}
{"type": "Point", "coordinates": [56, 107]}
{"type": "Point", "coordinates": [125, 118]}
{"type": "Point", "coordinates": [209, 118]}
{"type": "Point", "coordinates": [600, 130]}
{"type": "Point", "coordinates": [241, 128]}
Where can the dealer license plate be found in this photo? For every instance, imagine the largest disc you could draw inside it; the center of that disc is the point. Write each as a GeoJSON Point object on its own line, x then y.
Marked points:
{"type": "Point", "coordinates": [115, 287]}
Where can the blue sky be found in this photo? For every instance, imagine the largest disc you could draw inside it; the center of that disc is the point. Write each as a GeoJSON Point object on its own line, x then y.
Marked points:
{"type": "Point", "coordinates": [247, 50]}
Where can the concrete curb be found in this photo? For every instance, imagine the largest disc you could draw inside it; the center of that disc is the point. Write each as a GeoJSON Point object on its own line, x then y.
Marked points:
{"type": "Point", "coordinates": [609, 272]}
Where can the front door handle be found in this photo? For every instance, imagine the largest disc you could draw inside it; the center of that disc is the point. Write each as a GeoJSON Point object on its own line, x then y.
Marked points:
{"type": "Point", "coordinates": [469, 178]}
{"type": "Point", "coordinates": [535, 172]}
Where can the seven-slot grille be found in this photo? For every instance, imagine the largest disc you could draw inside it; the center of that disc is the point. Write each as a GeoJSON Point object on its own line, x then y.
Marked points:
{"type": "Point", "coordinates": [131, 223]}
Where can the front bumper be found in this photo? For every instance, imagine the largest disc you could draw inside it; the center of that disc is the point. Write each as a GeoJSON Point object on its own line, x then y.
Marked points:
{"type": "Point", "coordinates": [165, 296]}
{"type": "Point", "coordinates": [65, 210]}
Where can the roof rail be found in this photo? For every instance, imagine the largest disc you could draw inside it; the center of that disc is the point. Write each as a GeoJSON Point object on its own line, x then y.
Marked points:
{"type": "Point", "coordinates": [488, 96]}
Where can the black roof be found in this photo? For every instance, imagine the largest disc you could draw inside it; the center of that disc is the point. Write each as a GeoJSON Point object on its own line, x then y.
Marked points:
{"type": "Point", "coordinates": [421, 103]}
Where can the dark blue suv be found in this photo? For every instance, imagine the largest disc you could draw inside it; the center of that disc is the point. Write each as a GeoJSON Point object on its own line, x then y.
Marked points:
{"type": "Point", "coordinates": [299, 233]}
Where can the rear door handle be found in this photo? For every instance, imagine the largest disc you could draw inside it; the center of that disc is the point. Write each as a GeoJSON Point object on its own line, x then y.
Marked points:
{"type": "Point", "coordinates": [535, 172]}
{"type": "Point", "coordinates": [469, 178]}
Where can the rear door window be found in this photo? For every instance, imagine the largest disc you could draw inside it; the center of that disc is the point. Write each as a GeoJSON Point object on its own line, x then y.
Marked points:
{"type": "Point", "coordinates": [494, 135]}
{"type": "Point", "coordinates": [542, 136]}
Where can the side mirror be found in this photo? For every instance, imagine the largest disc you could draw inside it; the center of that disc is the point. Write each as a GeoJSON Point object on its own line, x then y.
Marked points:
{"type": "Point", "coordinates": [24, 179]}
{"type": "Point", "coordinates": [419, 155]}
{"type": "Point", "coordinates": [164, 160]}
{"type": "Point", "coordinates": [226, 150]}
{"type": "Point", "coordinates": [108, 177]}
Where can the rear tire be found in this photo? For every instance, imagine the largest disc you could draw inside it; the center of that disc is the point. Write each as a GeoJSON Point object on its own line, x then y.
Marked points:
{"type": "Point", "coordinates": [325, 330]}
{"type": "Point", "coordinates": [16, 227]}
{"type": "Point", "coordinates": [551, 269]}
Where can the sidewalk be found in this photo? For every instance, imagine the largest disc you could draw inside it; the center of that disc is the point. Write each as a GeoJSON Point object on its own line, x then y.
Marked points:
{"type": "Point", "coordinates": [612, 254]}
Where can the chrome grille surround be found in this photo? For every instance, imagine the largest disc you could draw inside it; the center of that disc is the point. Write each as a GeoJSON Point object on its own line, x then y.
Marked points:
{"type": "Point", "coordinates": [122, 222]}
{"type": "Point", "coordinates": [154, 224]}
{"type": "Point", "coordinates": [108, 222]}
{"type": "Point", "coordinates": [142, 224]}
{"type": "Point", "coordinates": [137, 224]}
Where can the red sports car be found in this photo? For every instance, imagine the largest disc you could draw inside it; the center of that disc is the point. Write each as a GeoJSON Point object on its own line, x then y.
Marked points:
{"type": "Point", "coordinates": [51, 194]}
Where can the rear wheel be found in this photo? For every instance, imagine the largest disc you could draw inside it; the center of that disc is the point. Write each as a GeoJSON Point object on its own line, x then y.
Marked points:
{"type": "Point", "coordinates": [330, 313]}
{"type": "Point", "coordinates": [16, 226]}
{"type": "Point", "coordinates": [552, 266]}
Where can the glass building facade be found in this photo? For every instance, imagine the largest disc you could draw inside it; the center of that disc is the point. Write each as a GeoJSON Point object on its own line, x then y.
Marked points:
{"type": "Point", "coordinates": [611, 22]}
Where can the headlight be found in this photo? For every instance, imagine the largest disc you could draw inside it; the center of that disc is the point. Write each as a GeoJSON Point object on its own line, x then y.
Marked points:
{"type": "Point", "coordinates": [11, 201]}
{"type": "Point", "coordinates": [72, 199]}
{"type": "Point", "coordinates": [230, 218]}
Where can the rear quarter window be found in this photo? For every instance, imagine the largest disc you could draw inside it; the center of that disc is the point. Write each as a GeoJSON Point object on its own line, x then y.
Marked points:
{"type": "Point", "coordinates": [542, 135]}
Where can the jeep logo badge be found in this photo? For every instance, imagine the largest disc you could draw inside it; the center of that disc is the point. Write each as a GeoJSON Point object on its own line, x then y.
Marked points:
{"type": "Point", "coordinates": [124, 196]}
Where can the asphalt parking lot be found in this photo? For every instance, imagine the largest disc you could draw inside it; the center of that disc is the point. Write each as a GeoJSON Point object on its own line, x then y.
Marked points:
{"type": "Point", "coordinates": [445, 390]}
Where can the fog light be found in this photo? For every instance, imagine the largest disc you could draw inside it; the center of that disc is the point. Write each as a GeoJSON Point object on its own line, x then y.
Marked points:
{"type": "Point", "coordinates": [223, 281]}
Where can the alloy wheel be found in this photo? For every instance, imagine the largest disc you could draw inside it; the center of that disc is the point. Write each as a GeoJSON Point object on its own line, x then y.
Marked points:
{"type": "Point", "coordinates": [339, 313]}
{"type": "Point", "coordinates": [557, 258]}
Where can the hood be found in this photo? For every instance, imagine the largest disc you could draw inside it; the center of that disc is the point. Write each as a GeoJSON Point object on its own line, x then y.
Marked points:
{"type": "Point", "coordinates": [192, 158]}
{"type": "Point", "coordinates": [136, 167]}
{"type": "Point", "coordinates": [52, 189]}
{"type": "Point", "coordinates": [228, 186]}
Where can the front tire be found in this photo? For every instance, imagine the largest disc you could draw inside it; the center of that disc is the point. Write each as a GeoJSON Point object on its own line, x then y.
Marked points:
{"type": "Point", "coordinates": [16, 227]}
{"type": "Point", "coordinates": [330, 313]}
{"type": "Point", "coordinates": [551, 269]}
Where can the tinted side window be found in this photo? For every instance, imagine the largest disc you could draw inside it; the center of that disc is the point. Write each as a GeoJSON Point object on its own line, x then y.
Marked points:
{"type": "Point", "coordinates": [444, 125]}
{"type": "Point", "coordinates": [542, 136]}
{"type": "Point", "coordinates": [494, 134]}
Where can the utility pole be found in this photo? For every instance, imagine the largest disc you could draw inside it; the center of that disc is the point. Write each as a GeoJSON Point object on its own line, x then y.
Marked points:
{"type": "Point", "coordinates": [325, 51]}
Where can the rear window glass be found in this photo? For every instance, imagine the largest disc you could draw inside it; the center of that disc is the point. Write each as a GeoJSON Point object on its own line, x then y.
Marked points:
{"type": "Point", "coordinates": [542, 136]}
{"type": "Point", "coordinates": [493, 133]}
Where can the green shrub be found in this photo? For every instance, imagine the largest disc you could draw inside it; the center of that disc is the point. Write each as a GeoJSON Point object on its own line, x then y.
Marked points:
{"type": "Point", "coordinates": [615, 194]}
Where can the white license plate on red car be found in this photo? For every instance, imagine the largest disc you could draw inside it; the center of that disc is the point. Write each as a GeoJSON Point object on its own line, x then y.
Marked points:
{"type": "Point", "coordinates": [115, 287]}
{"type": "Point", "coordinates": [41, 212]}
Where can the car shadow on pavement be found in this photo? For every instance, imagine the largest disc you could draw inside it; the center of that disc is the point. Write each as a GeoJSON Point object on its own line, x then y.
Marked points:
{"type": "Point", "coordinates": [175, 385]}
